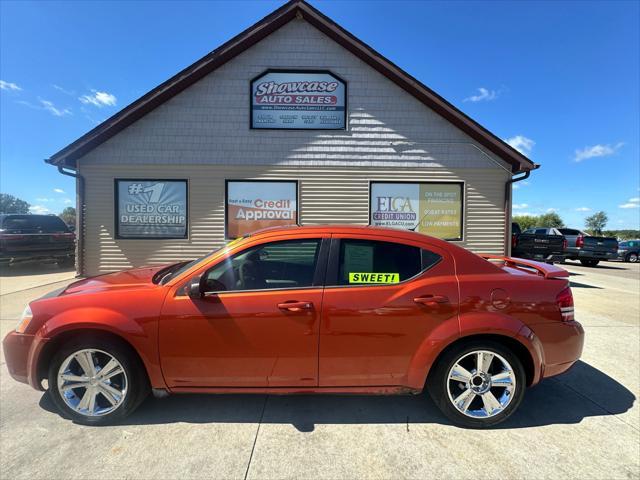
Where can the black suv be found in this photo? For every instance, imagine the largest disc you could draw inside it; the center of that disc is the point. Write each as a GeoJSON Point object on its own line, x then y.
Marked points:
{"type": "Point", "coordinates": [36, 237]}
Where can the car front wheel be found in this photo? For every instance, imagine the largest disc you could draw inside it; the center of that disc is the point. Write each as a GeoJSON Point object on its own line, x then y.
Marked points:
{"type": "Point", "coordinates": [632, 258]}
{"type": "Point", "coordinates": [478, 385]}
{"type": "Point", "coordinates": [96, 382]}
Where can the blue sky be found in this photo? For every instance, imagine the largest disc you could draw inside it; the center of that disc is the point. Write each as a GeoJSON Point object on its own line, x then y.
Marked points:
{"type": "Point", "coordinates": [558, 80]}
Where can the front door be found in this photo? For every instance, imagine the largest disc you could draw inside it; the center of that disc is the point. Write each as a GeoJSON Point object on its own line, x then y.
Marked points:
{"type": "Point", "coordinates": [382, 300]}
{"type": "Point", "coordinates": [260, 327]}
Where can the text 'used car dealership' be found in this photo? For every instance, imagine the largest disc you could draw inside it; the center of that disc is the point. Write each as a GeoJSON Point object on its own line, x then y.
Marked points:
{"type": "Point", "coordinates": [293, 121]}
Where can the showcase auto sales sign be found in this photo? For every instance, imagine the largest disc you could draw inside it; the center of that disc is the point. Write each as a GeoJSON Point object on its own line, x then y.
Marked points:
{"type": "Point", "coordinates": [298, 100]}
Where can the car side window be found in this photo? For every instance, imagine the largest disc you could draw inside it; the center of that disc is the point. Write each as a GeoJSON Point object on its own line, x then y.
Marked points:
{"type": "Point", "coordinates": [370, 262]}
{"type": "Point", "coordinates": [541, 231]}
{"type": "Point", "coordinates": [286, 264]}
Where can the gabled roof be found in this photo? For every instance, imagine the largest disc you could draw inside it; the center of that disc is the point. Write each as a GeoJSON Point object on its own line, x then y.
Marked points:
{"type": "Point", "coordinates": [68, 156]}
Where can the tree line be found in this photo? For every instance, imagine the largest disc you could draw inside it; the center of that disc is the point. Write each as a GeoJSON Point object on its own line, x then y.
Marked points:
{"type": "Point", "coordinates": [594, 224]}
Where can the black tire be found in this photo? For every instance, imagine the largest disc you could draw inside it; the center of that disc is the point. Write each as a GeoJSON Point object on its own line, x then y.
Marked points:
{"type": "Point", "coordinates": [438, 384]}
{"type": "Point", "coordinates": [137, 381]}
{"type": "Point", "coordinates": [66, 262]}
{"type": "Point", "coordinates": [589, 262]}
{"type": "Point", "coordinates": [631, 257]}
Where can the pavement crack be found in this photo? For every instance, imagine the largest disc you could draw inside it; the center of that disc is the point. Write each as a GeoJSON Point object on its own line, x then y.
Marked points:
{"type": "Point", "coordinates": [255, 440]}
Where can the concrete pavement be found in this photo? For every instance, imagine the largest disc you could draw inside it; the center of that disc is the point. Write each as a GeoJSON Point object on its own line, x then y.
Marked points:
{"type": "Point", "coordinates": [585, 424]}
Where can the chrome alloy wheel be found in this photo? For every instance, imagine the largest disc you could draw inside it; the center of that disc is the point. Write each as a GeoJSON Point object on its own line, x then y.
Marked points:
{"type": "Point", "coordinates": [481, 384]}
{"type": "Point", "coordinates": [92, 382]}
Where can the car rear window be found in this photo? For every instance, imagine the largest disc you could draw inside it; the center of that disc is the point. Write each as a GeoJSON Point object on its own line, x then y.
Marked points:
{"type": "Point", "coordinates": [368, 262]}
{"type": "Point", "coordinates": [34, 224]}
{"type": "Point", "coordinates": [568, 231]}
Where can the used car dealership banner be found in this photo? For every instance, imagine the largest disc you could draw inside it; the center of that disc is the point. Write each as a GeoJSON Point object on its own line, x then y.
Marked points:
{"type": "Point", "coordinates": [436, 208]}
{"type": "Point", "coordinates": [151, 208]}
{"type": "Point", "coordinates": [298, 99]}
{"type": "Point", "coordinates": [254, 205]}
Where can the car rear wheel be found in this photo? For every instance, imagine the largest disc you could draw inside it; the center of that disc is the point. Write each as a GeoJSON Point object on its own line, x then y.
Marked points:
{"type": "Point", "coordinates": [96, 382]}
{"type": "Point", "coordinates": [632, 257]}
{"type": "Point", "coordinates": [588, 262]}
{"type": "Point", "coordinates": [478, 385]}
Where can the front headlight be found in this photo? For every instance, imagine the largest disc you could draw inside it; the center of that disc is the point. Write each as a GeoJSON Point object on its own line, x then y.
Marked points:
{"type": "Point", "coordinates": [24, 320]}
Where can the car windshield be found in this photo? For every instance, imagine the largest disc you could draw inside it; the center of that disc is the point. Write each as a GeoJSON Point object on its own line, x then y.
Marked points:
{"type": "Point", "coordinates": [623, 244]}
{"type": "Point", "coordinates": [176, 269]}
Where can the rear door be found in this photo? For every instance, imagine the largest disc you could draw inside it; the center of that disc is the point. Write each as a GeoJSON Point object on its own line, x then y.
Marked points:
{"type": "Point", "coordinates": [382, 299]}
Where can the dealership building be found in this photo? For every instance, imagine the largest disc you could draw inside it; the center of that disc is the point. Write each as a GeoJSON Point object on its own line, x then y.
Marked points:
{"type": "Point", "coordinates": [292, 121]}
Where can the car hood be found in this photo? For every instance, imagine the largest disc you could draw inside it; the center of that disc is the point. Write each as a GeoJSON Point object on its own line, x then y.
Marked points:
{"type": "Point", "coordinates": [126, 279]}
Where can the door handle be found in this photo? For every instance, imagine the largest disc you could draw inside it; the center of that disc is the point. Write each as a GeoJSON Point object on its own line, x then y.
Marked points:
{"type": "Point", "coordinates": [431, 300]}
{"type": "Point", "coordinates": [295, 306]}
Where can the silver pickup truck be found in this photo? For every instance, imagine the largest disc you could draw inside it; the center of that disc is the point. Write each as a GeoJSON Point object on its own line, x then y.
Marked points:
{"type": "Point", "coordinates": [588, 249]}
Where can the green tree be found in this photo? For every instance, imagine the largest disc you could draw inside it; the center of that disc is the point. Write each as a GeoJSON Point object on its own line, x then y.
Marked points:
{"type": "Point", "coordinates": [595, 223]}
{"type": "Point", "coordinates": [551, 220]}
{"type": "Point", "coordinates": [11, 204]}
{"type": "Point", "coordinates": [525, 221]}
{"type": "Point", "coordinates": [68, 216]}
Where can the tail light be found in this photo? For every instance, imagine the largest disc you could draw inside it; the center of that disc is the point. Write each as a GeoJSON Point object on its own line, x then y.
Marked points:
{"type": "Point", "coordinates": [64, 235]}
{"type": "Point", "coordinates": [514, 240]}
{"type": "Point", "coordinates": [580, 241]}
{"type": "Point", "coordinates": [564, 300]}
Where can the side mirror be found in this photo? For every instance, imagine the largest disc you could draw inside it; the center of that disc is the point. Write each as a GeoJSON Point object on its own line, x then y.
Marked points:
{"type": "Point", "coordinates": [194, 290]}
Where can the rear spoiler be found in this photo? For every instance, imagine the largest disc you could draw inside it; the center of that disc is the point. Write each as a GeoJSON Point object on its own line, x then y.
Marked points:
{"type": "Point", "coordinates": [544, 269]}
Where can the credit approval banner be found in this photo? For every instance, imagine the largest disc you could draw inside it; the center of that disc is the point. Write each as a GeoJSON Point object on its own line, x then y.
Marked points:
{"type": "Point", "coordinates": [151, 208]}
{"type": "Point", "coordinates": [298, 100]}
{"type": "Point", "coordinates": [431, 208]}
{"type": "Point", "coordinates": [254, 205]}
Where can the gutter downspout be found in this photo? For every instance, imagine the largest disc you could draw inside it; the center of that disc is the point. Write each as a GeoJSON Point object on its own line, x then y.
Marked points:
{"type": "Point", "coordinates": [507, 207]}
{"type": "Point", "coordinates": [79, 217]}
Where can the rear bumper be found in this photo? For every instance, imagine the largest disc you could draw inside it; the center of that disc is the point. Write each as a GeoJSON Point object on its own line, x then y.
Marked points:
{"type": "Point", "coordinates": [21, 353]}
{"type": "Point", "coordinates": [36, 255]}
{"type": "Point", "coordinates": [562, 343]}
{"type": "Point", "coordinates": [589, 254]}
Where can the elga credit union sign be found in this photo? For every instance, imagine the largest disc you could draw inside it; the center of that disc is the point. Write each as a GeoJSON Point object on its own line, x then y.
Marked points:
{"type": "Point", "coordinates": [431, 208]}
{"type": "Point", "coordinates": [298, 100]}
{"type": "Point", "coordinates": [151, 208]}
{"type": "Point", "coordinates": [253, 205]}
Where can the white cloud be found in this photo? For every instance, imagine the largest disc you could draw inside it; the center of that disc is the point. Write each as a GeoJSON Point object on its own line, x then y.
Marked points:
{"type": "Point", "coordinates": [517, 185]}
{"type": "Point", "coordinates": [583, 209]}
{"type": "Point", "coordinates": [520, 206]}
{"type": "Point", "coordinates": [631, 203]}
{"type": "Point", "coordinates": [43, 199]}
{"type": "Point", "coordinates": [484, 95]}
{"type": "Point", "coordinates": [9, 86]}
{"type": "Point", "coordinates": [597, 151]}
{"type": "Point", "coordinates": [58, 190]}
{"type": "Point", "coordinates": [521, 143]}
{"type": "Point", "coordinates": [63, 90]}
{"type": "Point", "coordinates": [53, 110]}
{"type": "Point", "coordinates": [38, 209]}
{"type": "Point", "coordinates": [99, 99]}
{"type": "Point", "coordinates": [551, 210]}
{"type": "Point", "coordinates": [67, 200]}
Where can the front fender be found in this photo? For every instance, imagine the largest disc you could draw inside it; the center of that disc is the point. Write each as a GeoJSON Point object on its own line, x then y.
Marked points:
{"type": "Point", "coordinates": [141, 334]}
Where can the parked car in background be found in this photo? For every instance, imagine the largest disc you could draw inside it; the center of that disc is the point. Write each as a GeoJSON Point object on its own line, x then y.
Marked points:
{"type": "Point", "coordinates": [36, 237]}
{"type": "Point", "coordinates": [588, 248]}
{"type": "Point", "coordinates": [629, 250]}
{"type": "Point", "coordinates": [324, 309]}
{"type": "Point", "coordinates": [544, 244]}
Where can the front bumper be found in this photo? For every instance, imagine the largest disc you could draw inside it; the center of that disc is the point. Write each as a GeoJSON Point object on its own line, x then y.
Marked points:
{"type": "Point", "coordinates": [21, 353]}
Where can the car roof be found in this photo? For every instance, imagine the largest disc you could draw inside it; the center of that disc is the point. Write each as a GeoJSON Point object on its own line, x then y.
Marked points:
{"type": "Point", "coordinates": [347, 229]}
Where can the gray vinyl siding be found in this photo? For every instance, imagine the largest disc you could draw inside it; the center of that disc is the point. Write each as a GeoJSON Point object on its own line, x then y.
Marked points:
{"type": "Point", "coordinates": [202, 134]}
{"type": "Point", "coordinates": [327, 195]}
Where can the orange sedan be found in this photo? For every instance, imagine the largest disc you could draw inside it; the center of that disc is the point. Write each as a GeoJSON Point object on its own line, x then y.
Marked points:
{"type": "Point", "coordinates": [328, 309]}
